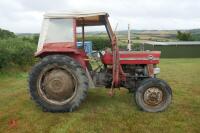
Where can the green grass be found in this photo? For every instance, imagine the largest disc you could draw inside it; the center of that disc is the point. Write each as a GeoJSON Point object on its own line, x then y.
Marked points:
{"type": "Point", "coordinates": [101, 113]}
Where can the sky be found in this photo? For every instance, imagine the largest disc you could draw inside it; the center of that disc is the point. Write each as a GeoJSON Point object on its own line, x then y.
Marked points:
{"type": "Point", "coordinates": [25, 16]}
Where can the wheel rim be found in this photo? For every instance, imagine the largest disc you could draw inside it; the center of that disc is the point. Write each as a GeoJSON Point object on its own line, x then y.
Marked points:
{"type": "Point", "coordinates": [153, 96]}
{"type": "Point", "coordinates": [57, 85]}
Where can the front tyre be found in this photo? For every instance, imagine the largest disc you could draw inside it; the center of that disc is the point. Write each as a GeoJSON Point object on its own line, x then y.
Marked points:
{"type": "Point", "coordinates": [153, 95]}
{"type": "Point", "coordinates": [58, 83]}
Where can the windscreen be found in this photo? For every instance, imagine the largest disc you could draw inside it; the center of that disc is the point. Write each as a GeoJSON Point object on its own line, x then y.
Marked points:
{"type": "Point", "coordinates": [55, 31]}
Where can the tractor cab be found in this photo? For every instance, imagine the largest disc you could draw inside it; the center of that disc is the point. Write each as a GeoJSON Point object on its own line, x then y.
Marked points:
{"type": "Point", "coordinates": [59, 31]}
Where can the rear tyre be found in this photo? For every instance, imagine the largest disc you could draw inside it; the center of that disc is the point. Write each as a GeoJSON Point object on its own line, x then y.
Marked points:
{"type": "Point", "coordinates": [58, 83]}
{"type": "Point", "coordinates": [153, 95]}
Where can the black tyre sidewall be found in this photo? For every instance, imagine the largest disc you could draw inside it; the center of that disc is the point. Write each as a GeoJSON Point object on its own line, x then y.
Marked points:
{"type": "Point", "coordinates": [74, 67]}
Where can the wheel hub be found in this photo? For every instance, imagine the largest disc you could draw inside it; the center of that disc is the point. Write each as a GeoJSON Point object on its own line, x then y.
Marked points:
{"type": "Point", "coordinates": [58, 85]}
{"type": "Point", "coordinates": [153, 96]}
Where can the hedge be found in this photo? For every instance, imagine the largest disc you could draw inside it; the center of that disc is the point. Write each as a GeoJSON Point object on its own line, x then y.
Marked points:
{"type": "Point", "coordinates": [16, 52]}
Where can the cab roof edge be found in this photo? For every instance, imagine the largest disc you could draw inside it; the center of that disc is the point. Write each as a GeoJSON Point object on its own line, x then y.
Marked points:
{"type": "Point", "coordinates": [73, 14]}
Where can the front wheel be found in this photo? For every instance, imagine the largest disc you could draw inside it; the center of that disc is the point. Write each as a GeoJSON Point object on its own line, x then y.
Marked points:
{"type": "Point", "coordinates": [153, 95]}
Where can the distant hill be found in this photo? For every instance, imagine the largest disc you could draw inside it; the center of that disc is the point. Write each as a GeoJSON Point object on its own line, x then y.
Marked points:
{"type": "Point", "coordinates": [138, 35]}
{"type": "Point", "coordinates": [195, 31]}
{"type": "Point", "coordinates": [26, 34]}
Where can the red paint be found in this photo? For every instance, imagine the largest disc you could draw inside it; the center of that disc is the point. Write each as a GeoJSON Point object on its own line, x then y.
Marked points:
{"type": "Point", "coordinates": [125, 57]}
{"type": "Point", "coordinates": [64, 48]}
{"type": "Point", "coordinates": [133, 57]}
{"type": "Point", "coordinates": [115, 63]}
{"type": "Point", "coordinates": [74, 29]}
{"type": "Point", "coordinates": [58, 47]}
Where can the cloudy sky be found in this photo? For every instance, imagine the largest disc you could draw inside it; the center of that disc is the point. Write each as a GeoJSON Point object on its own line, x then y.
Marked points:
{"type": "Point", "coordinates": [25, 16]}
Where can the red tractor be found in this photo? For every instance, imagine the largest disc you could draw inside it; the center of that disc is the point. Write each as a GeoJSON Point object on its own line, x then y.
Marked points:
{"type": "Point", "coordinates": [60, 81]}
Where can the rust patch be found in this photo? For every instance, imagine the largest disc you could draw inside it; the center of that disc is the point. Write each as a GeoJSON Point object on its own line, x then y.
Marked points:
{"type": "Point", "coordinates": [150, 70]}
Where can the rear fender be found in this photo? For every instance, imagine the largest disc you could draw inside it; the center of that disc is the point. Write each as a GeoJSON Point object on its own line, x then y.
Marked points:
{"type": "Point", "coordinates": [67, 48]}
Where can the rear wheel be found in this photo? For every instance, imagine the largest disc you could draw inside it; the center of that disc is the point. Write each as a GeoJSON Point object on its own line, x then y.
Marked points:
{"type": "Point", "coordinates": [153, 95]}
{"type": "Point", "coordinates": [58, 83]}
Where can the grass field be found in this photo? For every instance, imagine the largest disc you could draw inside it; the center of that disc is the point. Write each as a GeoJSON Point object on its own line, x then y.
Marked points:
{"type": "Point", "coordinates": [101, 113]}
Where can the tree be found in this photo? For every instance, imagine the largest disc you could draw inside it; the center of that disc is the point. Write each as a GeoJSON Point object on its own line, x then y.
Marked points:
{"type": "Point", "coordinates": [184, 36]}
{"type": "Point", "coordinates": [32, 39]}
{"type": "Point", "coordinates": [4, 34]}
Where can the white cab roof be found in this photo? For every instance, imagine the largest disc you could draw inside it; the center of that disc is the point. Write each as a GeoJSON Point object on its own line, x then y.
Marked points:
{"type": "Point", "coordinates": [65, 14]}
